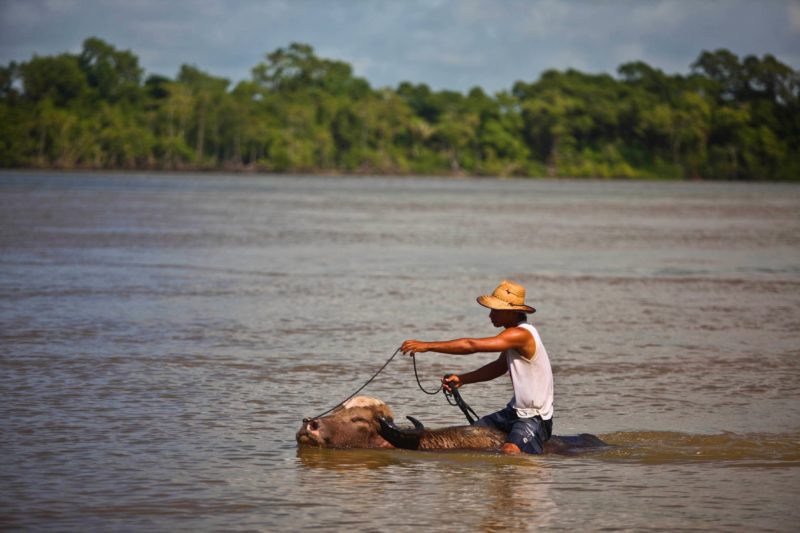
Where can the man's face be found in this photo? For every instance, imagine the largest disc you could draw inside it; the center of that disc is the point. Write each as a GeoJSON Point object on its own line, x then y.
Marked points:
{"type": "Point", "coordinates": [503, 318]}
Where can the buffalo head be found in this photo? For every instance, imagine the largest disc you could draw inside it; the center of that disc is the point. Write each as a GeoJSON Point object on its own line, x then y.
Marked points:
{"type": "Point", "coordinates": [354, 424]}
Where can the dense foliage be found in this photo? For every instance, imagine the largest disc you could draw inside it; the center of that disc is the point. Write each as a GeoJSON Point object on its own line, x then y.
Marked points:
{"type": "Point", "coordinates": [728, 119]}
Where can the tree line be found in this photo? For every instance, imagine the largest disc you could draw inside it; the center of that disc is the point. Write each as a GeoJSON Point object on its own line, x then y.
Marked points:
{"type": "Point", "coordinates": [729, 118]}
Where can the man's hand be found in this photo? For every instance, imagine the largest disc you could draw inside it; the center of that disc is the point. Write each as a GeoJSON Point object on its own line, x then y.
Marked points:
{"type": "Point", "coordinates": [411, 347]}
{"type": "Point", "coordinates": [450, 382]}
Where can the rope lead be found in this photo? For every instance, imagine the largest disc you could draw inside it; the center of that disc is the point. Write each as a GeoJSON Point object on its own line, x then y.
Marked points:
{"type": "Point", "coordinates": [453, 393]}
{"type": "Point", "coordinates": [414, 360]}
{"type": "Point", "coordinates": [457, 400]}
{"type": "Point", "coordinates": [360, 388]}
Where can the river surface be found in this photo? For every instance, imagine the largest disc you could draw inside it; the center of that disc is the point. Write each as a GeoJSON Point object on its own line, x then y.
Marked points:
{"type": "Point", "coordinates": [162, 336]}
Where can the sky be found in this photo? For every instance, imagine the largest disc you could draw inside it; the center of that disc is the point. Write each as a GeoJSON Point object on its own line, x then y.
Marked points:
{"type": "Point", "coordinates": [448, 44]}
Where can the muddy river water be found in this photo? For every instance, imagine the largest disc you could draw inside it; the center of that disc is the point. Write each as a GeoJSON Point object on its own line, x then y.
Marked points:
{"type": "Point", "coordinates": [162, 336]}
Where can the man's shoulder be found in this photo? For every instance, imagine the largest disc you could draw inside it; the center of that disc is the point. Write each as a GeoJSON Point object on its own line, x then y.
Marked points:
{"type": "Point", "coordinates": [526, 341]}
{"type": "Point", "coordinates": [526, 327]}
{"type": "Point", "coordinates": [520, 331]}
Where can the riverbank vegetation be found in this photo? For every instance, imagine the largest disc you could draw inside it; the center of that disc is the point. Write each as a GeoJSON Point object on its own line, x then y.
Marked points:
{"type": "Point", "coordinates": [729, 118]}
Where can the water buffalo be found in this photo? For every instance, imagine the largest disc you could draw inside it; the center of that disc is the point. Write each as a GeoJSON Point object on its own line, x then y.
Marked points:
{"type": "Point", "coordinates": [365, 422]}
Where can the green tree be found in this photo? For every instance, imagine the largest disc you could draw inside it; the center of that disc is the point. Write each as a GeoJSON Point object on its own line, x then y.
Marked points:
{"type": "Point", "coordinates": [58, 78]}
{"type": "Point", "coordinates": [113, 74]}
{"type": "Point", "coordinates": [208, 92]}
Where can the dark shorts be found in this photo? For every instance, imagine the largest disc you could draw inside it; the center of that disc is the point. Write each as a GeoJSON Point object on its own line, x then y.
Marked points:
{"type": "Point", "coordinates": [529, 434]}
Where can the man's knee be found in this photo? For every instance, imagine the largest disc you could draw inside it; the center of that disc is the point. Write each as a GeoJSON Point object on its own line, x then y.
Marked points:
{"type": "Point", "coordinates": [510, 448]}
{"type": "Point", "coordinates": [528, 435]}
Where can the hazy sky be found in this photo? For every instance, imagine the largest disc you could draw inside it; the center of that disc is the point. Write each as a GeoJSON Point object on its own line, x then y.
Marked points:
{"type": "Point", "coordinates": [453, 44]}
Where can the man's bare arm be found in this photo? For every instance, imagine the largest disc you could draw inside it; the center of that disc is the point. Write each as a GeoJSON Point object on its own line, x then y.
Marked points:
{"type": "Point", "coordinates": [488, 372]}
{"type": "Point", "coordinates": [508, 339]}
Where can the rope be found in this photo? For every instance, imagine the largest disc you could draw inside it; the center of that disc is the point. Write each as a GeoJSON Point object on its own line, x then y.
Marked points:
{"type": "Point", "coordinates": [414, 359]}
{"type": "Point", "coordinates": [359, 389]}
{"type": "Point", "coordinates": [471, 415]}
{"type": "Point", "coordinates": [454, 394]}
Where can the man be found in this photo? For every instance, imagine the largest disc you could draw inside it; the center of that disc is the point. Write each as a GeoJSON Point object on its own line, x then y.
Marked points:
{"type": "Point", "coordinates": [528, 417]}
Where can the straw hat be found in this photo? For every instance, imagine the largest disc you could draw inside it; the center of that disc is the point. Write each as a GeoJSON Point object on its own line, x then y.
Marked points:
{"type": "Point", "coordinates": [507, 296]}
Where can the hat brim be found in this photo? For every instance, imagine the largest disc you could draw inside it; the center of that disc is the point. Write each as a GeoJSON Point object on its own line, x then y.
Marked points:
{"type": "Point", "coordinates": [492, 302]}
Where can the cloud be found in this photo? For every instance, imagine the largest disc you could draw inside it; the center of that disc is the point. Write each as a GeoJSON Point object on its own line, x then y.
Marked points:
{"type": "Point", "coordinates": [793, 10]}
{"type": "Point", "coordinates": [452, 44]}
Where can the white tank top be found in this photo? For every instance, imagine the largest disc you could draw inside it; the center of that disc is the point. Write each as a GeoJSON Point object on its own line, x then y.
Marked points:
{"type": "Point", "coordinates": [532, 380]}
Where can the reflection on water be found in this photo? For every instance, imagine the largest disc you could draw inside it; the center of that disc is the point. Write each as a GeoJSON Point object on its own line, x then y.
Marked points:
{"type": "Point", "coordinates": [161, 338]}
{"type": "Point", "coordinates": [489, 491]}
{"type": "Point", "coordinates": [347, 459]}
{"type": "Point", "coordinates": [750, 450]}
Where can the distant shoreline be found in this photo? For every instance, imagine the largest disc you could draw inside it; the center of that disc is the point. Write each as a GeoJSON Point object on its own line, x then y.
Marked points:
{"type": "Point", "coordinates": [732, 119]}
{"type": "Point", "coordinates": [367, 175]}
